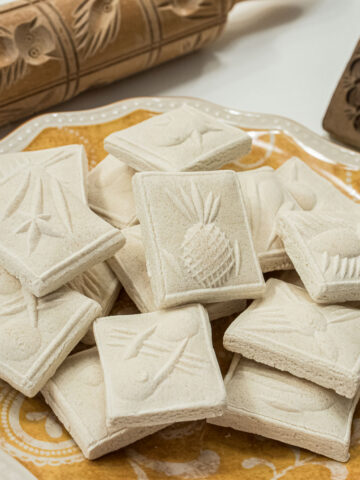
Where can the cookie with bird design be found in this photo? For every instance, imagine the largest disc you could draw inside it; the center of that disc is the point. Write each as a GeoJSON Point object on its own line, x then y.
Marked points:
{"type": "Point", "coordinates": [184, 139]}
{"type": "Point", "coordinates": [287, 330]}
{"type": "Point", "coordinates": [147, 357]}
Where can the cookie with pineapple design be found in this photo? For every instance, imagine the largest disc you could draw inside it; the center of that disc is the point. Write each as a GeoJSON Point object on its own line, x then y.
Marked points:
{"type": "Point", "coordinates": [277, 405]}
{"type": "Point", "coordinates": [76, 394]}
{"type": "Point", "coordinates": [184, 139]}
{"type": "Point", "coordinates": [287, 330]}
{"type": "Point", "coordinates": [129, 264]}
{"type": "Point", "coordinates": [197, 237]}
{"type": "Point", "coordinates": [159, 367]}
{"type": "Point", "coordinates": [324, 247]}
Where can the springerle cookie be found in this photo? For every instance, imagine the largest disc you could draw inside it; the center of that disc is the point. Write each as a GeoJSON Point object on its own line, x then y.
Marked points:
{"type": "Point", "coordinates": [76, 394]}
{"type": "Point", "coordinates": [100, 284]}
{"type": "Point", "coordinates": [275, 404]}
{"type": "Point", "coordinates": [324, 247]}
{"type": "Point", "coordinates": [195, 250]}
{"type": "Point", "coordinates": [129, 264]}
{"type": "Point", "coordinates": [37, 334]}
{"type": "Point", "coordinates": [184, 139]}
{"type": "Point", "coordinates": [265, 197]}
{"type": "Point", "coordinates": [310, 190]}
{"type": "Point", "coordinates": [159, 367]}
{"type": "Point", "coordinates": [287, 330]}
{"type": "Point", "coordinates": [110, 192]}
{"type": "Point", "coordinates": [48, 235]}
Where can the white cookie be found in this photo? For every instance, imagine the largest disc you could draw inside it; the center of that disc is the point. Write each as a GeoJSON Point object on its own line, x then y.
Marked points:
{"type": "Point", "coordinates": [276, 405]}
{"type": "Point", "coordinates": [129, 264]}
{"type": "Point", "coordinates": [48, 235]}
{"type": "Point", "coordinates": [312, 191]}
{"type": "Point", "coordinates": [324, 247]}
{"type": "Point", "coordinates": [110, 192]}
{"type": "Point", "coordinates": [100, 284]}
{"type": "Point", "coordinates": [195, 250]}
{"type": "Point", "coordinates": [159, 367]}
{"type": "Point", "coordinates": [287, 330]}
{"type": "Point", "coordinates": [76, 394]}
{"type": "Point", "coordinates": [265, 197]}
{"type": "Point", "coordinates": [184, 139]}
{"type": "Point", "coordinates": [37, 334]}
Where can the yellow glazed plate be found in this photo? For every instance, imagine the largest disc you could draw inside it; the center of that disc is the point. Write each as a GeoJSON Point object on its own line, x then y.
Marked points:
{"type": "Point", "coordinates": [195, 450]}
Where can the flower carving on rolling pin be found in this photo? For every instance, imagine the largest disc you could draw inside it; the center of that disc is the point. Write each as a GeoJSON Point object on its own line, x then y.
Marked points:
{"type": "Point", "coordinates": [193, 9]}
{"type": "Point", "coordinates": [31, 44]}
{"type": "Point", "coordinates": [96, 24]}
{"type": "Point", "coordinates": [207, 254]}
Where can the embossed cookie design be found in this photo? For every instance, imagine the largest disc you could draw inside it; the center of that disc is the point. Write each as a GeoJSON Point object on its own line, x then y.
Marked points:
{"type": "Point", "coordinates": [37, 334]}
{"type": "Point", "coordinates": [110, 192]}
{"type": "Point", "coordinates": [275, 404]}
{"type": "Point", "coordinates": [311, 191]}
{"type": "Point", "coordinates": [129, 264]}
{"type": "Point", "coordinates": [265, 197]}
{"type": "Point", "coordinates": [195, 250]}
{"type": "Point", "coordinates": [184, 139]}
{"type": "Point", "coordinates": [325, 250]}
{"type": "Point", "coordinates": [48, 234]}
{"type": "Point", "coordinates": [287, 330]}
{"type": "Point", "coordinates": [76, 394]}
{"type": "Point", "coordinates": [146, 357]}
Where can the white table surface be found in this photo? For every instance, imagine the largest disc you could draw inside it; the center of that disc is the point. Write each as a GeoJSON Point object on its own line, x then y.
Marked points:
{"type": "Point", "coordinates": [276, 56]}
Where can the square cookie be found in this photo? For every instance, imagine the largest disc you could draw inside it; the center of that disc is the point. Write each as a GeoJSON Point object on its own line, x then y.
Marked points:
{"type": "Point", "coordinates": [110, 192]}
{"type": "Point", "coordinates": [184, 139]}
{"type": "Point", "coordinates": [197, 237]}
{"type": "Point", "coordinates": [276, 405]}
{"type": "Point", "coordinates": [287, 330]}
{"type": "Point", "coordinates": [76, 394]}
{"type": "Point", "coordinates": [48, 235]}
{"type": "Point", "coordinates": [159, 367]}
{"type": "Point", "coordinates": [129, 264]}
{"type": "Point", "coordinates": [100, 284]}
{"type": "Point", "coordinates": [312, 191]}
{"type": "Point", "coordinates": [37, 334]}
{"type": "Point", "coordinates": [324, 247]}
{"type": "Point", "coordinates": [265, 197]}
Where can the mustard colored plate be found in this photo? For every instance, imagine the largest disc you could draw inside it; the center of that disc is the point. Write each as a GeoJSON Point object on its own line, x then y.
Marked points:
{"type": "Point", "coordinates": [29, 431]}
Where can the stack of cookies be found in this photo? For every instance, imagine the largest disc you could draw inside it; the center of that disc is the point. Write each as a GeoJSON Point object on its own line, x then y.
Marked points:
{"type": "Point", "coordinates": [190, 244]}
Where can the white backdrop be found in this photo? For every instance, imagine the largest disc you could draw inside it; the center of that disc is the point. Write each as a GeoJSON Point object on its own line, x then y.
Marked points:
{"type": "Point", "coordinates": [275, 56]}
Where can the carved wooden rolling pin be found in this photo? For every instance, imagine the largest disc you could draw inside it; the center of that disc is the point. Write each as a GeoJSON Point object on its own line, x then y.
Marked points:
{"type": "Point", "coordinates": [51, 50]}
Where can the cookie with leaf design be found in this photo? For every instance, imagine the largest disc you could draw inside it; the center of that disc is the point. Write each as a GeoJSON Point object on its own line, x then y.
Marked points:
{"type": "Point", "coordinates": [277, 405]}
{"type": "Point", "coordinates": [129, 264]}
{"type": "Point", "coordinates": [159, 367]}
{"type": "Point", "coordinates": [48, 233]}
{"type": "Point", "coordinates": [184, 139]}
{"type": "Point", "coordinates": [287, 330]}
{"type": "Point", "coordinates": [324, 247]}
{"type": "Point", "coordinates": [37, 334]}
{"type": "Point", "coordinates": [76, 394]}
{"type": "Point", "coordinates": [197, 237]}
